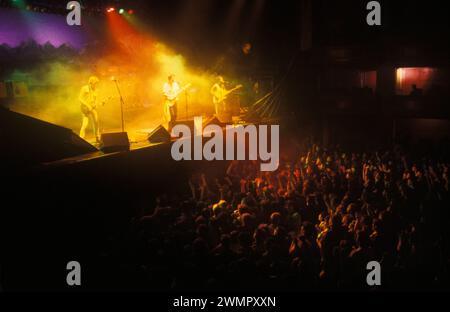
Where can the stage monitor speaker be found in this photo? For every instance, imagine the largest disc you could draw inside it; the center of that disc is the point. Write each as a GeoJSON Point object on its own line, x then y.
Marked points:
{"type": "Point", "coordinates": [226, 117]}
{"type": "Point", "coordinates": [159, 135]}
{"type": "Point", "coordinates": [188, 122]}
{"type": "Point", "coordinates": [115, 142]}
{"type": "Point", "coordinates": [212, 121]}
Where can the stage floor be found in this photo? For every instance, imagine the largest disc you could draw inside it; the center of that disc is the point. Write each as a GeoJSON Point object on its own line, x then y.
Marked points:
{"type": "Point", "coordinates": [138, 139]}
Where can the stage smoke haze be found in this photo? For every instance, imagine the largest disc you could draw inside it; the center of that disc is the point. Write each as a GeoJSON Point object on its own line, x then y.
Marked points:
{"type": "Point", "coordinates": [138, 62]}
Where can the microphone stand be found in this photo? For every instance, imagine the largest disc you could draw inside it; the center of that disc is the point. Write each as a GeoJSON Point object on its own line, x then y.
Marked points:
{"type": "Point", "coordinates": [122, 103]}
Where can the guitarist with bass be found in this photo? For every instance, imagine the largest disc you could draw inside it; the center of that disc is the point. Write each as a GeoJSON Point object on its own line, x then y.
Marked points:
{"type": "Point", "coordinates": [220, 94]}
{"type": "Point", "coordinates": [171, 92]}
{"type": "Point", "coordinates": [88, 100]}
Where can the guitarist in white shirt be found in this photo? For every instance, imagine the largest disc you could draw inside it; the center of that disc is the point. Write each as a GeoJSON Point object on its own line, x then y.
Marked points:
{"type": "Point", "coordinates": [171, 92]}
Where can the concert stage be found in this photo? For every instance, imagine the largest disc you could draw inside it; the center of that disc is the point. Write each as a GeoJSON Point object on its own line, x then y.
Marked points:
{"type": "Point", "coordinates": [216, 145]}
{"type": "Point", "coordinates": [116, 142]}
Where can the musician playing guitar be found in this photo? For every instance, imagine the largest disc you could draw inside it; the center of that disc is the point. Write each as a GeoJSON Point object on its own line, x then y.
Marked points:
{"type": "Point", "coordinates": [88, 99]}
{"type": "Point", "coordinates": [220, 94]}
{"type": "Point", "coordinates": [171, 92]}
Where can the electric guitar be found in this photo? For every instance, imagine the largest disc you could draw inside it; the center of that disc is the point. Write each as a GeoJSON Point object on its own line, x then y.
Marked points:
{"type": "Point", "coordinates": [171, 100]}
{"type": "Point", "coordinates": [86, 109]}
{"type": "Point", "coordinates": [219, 97]}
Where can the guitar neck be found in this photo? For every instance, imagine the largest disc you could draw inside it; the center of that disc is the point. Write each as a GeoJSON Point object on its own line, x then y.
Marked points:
{"type": "Point", "coordinates": [232, 90]}
{"type": "Point", "coordinates": [171, 98]}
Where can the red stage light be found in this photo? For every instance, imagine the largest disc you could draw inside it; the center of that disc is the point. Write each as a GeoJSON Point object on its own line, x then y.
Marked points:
{"type": "Point", "coordinates": [131, 12]}
{"type": "Point", "coordinates": [109, 10]}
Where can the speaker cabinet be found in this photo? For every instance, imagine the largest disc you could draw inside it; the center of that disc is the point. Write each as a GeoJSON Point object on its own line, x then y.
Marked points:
{"type": "Point", "coordinates": [212, 121]}
{"type": "Point", "coordinates": [159, 135]}
{"type": "Point", "coordinates": [225, 118]}
{"type": "Point", "coordinates": [115, 142]}
{"type": "Point", "coordinates": [188, 122]}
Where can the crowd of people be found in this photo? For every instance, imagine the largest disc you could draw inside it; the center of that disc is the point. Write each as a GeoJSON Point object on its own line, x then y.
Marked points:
{"type": "Point", "coordinates": [314, 224]}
